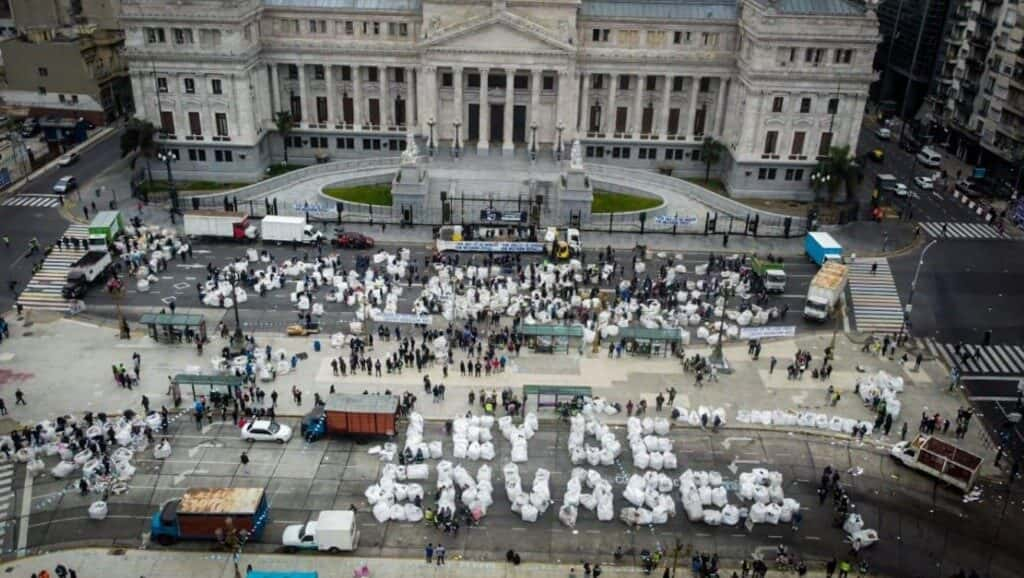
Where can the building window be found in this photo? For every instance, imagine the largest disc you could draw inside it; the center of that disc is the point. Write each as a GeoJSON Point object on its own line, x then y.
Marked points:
{"type": "Point", "coordinates": [677, 84]}
{"type": "Point", "coordinates": [792, 54]}
{"type": "Point", "coordinates": [345, 143]}
{"type": "Point", "coordinates": [296, 106]}
{"type": "Point", "coordinates": [318, 26]}
{"type": "Point", "coordinates": [155, 36]}
{"type": "Point", "coordinates": [318, 142]}
{"type": "Point", "coordinates": [371, 74]}
{"type": "Point", "coordinates": [624, 82]}
{"type": "Point", "coordinates": [74, 99]}
{"type": "Point", "coordinates": [183, 36]}
{"type": "Point", "coordinates": [350, 27]}
{"type": "Point", "coordinates": [647, 153]}
{"type": "Point", "coordinates": [677, 37]}
{"type": "Point", "coordinates": [447, 80]}
{"type": "Point", "coordinates": [400, 75]}
{"type": "Point", "coordinates": [705, 84]}
{"type": "Point", "coordinates": [794, 175]}
{"type": "Point", "coordinates": [60, 97]}
{"type": "Point", "coordinates": [222, 156]}
{"type": "Point", "coordinates": [215, 86]}
{"type": "Point", "coordinates": [371, 144]}
{"type": "Point", "coordinates": [844, 56]}
{"type": "Point", "coordinates": [190, 86]}
{"type": "Point", "coordinates": [766, 174]}
{"type": "Point", "coordinates": [197, 155]}
{"type": "Point", "coordinates": [318, 72]}
{"type": "Point", "coordinates": [295, 142]}
{"type": "Point", "coordinates": [709, 38]}
{"type": "Point", "coordinates": [833, 105]}
{"type": "Point", "coordinates": [403, 29]}
{"type": "Point", "coordinates": [376, 28]}
{"type": "Point", "coordinates": [548, 83]}
{"type": "Point", "coordinates": [600, 34]}
{"type": "Point", "coordinates": [521, 82]}
{"type": "Point", "coordinates": [43, 72]}
{"type": "Point", "coordinates": [695, 155]}
{"type": "Point", "coordinates": [346, 73]}
{"type": "Point", "coordinates": [771, 140]}
{"type": "Point", "coordinates": [293, 72]}
{"type": "Point", "coordinates": [813, 56]}
{"type": "Point", "coordinates": [195, 125]}
{"type": "Point", "coordinates": [161, 84]}
{"type": "Point", "coordinates": [222, 123]}
{"type": "Point", "coordinates": [805, 105]}
{"type": "Point", "coordinates": [798, 144]}
{"type": "Point", "coordinates": [825, 144]}
{"type": "Point", "coordinates": [651, 83]}
{"type": "Point", "coordinates": [777, 103]}
{"type": "Point", "coordinates": [321, 110]}
{"type": "Point", "coordinates": [597, 81]}
{"type": "Point", "coordinates": [167, 122]}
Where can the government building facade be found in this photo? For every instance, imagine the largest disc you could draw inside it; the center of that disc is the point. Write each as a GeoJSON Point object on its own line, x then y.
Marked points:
{"type": "Point", "coordinates": [638, 82]}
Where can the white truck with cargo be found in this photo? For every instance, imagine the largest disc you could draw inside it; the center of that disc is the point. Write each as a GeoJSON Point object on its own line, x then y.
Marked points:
{"type": "Point", "coordinates": [219, 224]}
{"type": "Point", "coordinates": [939, 459]}
{"type": "Point", "coordinates": [333, 531]}
{"type": "Point", "coordinates": [280, 229]}
{"type": "Point", "coordinates": [89, 269]}
{"type": "Point", "coordinates": [825, 291]}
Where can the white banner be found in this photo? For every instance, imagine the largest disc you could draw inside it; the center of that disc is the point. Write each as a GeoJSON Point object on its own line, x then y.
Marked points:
{"type": "Point", "coordinates": [404, 318]}
{"type": "Point", "coordinates": [674, 220]}
{"type": "Point", "coordinates": [762, 332]}
{"type": "Point", "coordinates": [494, 247]}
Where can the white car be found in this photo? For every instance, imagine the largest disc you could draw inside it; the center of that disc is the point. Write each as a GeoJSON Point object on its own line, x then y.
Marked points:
{"type": "Point", "coordinates": [68, 159]}
{"type": "Point", "coordinates": [883, 133]}
{"type": "Point", "coordinates": [924, 183]}
{"type": "Point", "coordinates": [900, 190]}
{"type": "Point", "coordinates": [262, 430]}
{"type": "Point", "coordinates": [65, 185]}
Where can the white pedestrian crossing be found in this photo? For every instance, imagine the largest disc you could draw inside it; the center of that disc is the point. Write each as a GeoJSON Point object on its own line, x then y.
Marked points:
{"type": "Point", "coordinates": [1005, 360]}
{"type": "Point", "coordinates": [43, 290]}
{"type": "Point", "coordinates": [876, 302]}
{"type": "Point", "coordinates": [950, 230]}
{"type": "Point", "coordinates": [43, 201]}
{"type": "Point", "coordinates": [6, 497]}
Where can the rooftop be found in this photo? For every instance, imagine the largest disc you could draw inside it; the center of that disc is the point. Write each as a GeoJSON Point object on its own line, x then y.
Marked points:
{"type": "Point", "coordinates": [359, 5]}
{"type": "Point", "coordinates": [831, 7]}
{"type": "Point", "coordinates": [660, 9]}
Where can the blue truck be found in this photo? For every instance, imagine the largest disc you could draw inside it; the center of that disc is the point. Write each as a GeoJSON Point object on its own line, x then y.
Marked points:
{"type": "Point", "coordinates": [821, 247]}
{"type": "Point", "coordinates": [211, 514]}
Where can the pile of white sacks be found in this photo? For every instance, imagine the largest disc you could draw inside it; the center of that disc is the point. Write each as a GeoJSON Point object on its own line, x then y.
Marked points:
{"type": "Point", "coordinates": [414, 439]}
{"type": "Point", "coordinates": [477, 494]}
{"type": "Point", "coordinates": [153, 244]}
{"type": "Point", "coordinates": [528, 506]}
{"type": "Point", "coordinates": [519, 435]}
{"type": "Point", "coordinates": [599, 406]}
{"type": "Point", "coordinates": [651, 499]}
{"type": "Point", "coordinates": [705, 498]}
{"type": "Point", "coordinates": [599, 499]}
{"type": "Point", "coordinates": [266, 369]}
{"type": "Point", "coordinates": [649, 444]}
{"type": "Point", "coordinates": [857, 534]}
{"type": "Point", "coordinates": [387, 495]}
{"type": "Point", "coordinates": [808, 419]}
{"type": "Point", "coordinates": [472, 439]}
{"type": "Point", "coordinates": [695, 417]}
{"type": "Point", "coordinates": [579, 428]}
{"type": "Point", "coordinates": [885, 387]}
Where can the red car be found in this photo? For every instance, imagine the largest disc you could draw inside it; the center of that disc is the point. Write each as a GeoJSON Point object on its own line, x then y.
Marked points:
{"type": "Point", "coordinates": [353, 241]}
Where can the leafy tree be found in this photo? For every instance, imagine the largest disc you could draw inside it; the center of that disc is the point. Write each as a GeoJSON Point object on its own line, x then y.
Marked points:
{"type": "Point", "coordinates": [285, 123]}
{"type": "Point", "coordinates": [139, 135]}
{"type": "Point", "coordinates": [836, 171]}
{"type": "Point", "coordinates": [711, 152]}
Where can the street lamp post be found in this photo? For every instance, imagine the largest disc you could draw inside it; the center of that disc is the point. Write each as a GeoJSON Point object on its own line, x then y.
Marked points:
{"type": "Point", "coordinates": [167, 158]}
{"type": "Point", "coordinates": [558, 149]}
{"type": "Point", "coordinates": [717, 357]}
{"type": "Point", "coordinates": [457, 122]}
{"type": "Point", "coordinates": [430, 140]}
{"type": "Point", "coordinates": [913, 287]}
{"type": "Point", "coordinates": [533, 141]}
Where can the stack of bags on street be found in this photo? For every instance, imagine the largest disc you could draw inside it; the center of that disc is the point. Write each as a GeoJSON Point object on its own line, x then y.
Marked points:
{"type": "Point", "coordinates": [650, 450]}
{"type": "Point", "coordinates": [599, 499]}
{"type": "Point", "coordinates": [472, 439]}
{"type": "Point", "coordinates": [651, 499]}
{"type": "Point", "coordinates": [477, 494]}
{"type": "Point", "coordinates": [770, 505]}
{"type": "Point", "coordinates": [414, 443]}
{"type": "Point", "coordinates": [808, 419]}
{"type": "Point", "coordinates": [580, 452]}
{"type": "Point", "coordinates": [153, 244]}
{"type": "Point", "coordinates": [387, 495]}
{"type": "Point", "coordinates": [883, 386]}
{"type": "Point", "coordinates": [700, 416]}
{"type": "Point", "coordinates": [705, 498]}
{"type": "Point", "coordinates": [599, 406]}
{"type": "Point", "coordinates": [519, 435]}
{"type": "Point", "coordinates": [266, 369]}
{"type": "Point", "coordinates": [532, 505]}
{"type": "Point", "coordinates": [857, 534]}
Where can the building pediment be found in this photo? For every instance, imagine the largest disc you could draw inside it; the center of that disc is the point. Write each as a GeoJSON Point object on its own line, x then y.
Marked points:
{"type": "Point", "coordinates": [499, 32]}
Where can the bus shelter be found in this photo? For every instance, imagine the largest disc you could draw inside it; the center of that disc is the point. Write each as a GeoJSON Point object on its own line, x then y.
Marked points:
{"type": "Point", "coordinates": [173, 328]}
{"type": "Point", "coordinates": [217, 389]}
{"type": "Point", "coordinates": [551, 338]}
{"type": "Point", "coordinates": [658, 341]}
{"type": "Point", "coordinates": [553, 395]}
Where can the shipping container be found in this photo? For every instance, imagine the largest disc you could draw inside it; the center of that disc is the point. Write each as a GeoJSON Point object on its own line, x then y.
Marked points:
{"type": "Point", "coordinates": [361, 414]}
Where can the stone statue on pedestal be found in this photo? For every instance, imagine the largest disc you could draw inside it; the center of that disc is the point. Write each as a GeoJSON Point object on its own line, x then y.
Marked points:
{"type": "Point", "coordinates": [575, 156]}
{"type": "Point", "coordinates": [411, 152]}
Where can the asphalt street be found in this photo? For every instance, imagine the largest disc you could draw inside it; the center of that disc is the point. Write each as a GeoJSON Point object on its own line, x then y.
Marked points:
{"type": "Point", "coordinates": [926, 529]}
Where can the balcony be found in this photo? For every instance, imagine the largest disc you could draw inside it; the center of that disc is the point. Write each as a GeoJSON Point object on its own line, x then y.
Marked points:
{"type": "Point", "coordinates": [981, 41]}
{"type": "Point", "coordinates": [986, 23]}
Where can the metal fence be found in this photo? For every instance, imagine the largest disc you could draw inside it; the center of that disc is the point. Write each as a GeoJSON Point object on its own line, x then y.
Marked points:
{"type": "Point", "coordinates": [754, 225]}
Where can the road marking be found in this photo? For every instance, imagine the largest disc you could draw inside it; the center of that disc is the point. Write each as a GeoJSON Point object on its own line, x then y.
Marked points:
{"type": "Point", "coordinates": [992, 398]}
{"type": "Point", "coordinates": [26, 510]}
{"type": "Point", "coordinates": [109, 517]}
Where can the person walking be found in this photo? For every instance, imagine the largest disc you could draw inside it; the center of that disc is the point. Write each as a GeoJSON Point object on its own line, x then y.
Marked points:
{"type": "Point", "coordinates": [440, 552]}
{"type": "Point", "coordinates": [830, 567]}
{"type": "Point", "coordinates": [19, 397]}
{"type": "Point", "coordinates": [844, 569]}
{"type": "Point", "coordinates": [245, 462]}
{"type": "Point", "coordinates": [771, 365]}
{"type": "Point", "coordinates": [429, 552]}
{"type": "Point", "coordinates": [145, 404]}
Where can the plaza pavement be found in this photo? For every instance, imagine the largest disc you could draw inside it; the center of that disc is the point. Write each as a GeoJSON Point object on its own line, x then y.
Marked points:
{"type": "Point", "coordinates": [64, 366]}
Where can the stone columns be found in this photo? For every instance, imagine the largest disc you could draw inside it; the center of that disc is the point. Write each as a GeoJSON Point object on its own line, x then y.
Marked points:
{"type": "Point", "coordinates": [303, 101]}
{"type": "Point", "coordinates": [460, 115]}
{"type": "Point", "coordinates": [385, 98]}
{"type": "Point", "coordinates": [507, 146]}
{"type": "Point", "coordinates": [723, 85]}
{"type": "Point", "coordinates": [138, 89]}
{"type": "Point", "coordinates": [638, 103]}
{"type": "Point", "coordinates": [610, 115]}
{"type": "Point", "coordinates": [275, 88]}
{"type": "Point", "coordinates": [485, 113]}
{"type": "Point", "coordinates": [357, 97]}
{"type": "Point", "coordinates": [666, 100]}
{"type": "Point", "coordinates": [329, 79]}
{"type": "Point", "coordinates": [583, 118]}
{"type": "Point", "coordinates": [536, 78]}
{"type": "Point", "coordinates": [692, 115]}
{"type": "Point", "coordinates": [410, 94]}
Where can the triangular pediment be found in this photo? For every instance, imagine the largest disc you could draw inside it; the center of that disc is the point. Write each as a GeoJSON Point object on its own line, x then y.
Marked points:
{"type": "Point", "coordinates": [501, 32]}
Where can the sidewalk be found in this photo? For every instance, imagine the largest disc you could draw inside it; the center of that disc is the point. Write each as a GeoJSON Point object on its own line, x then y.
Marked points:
{"type": "Point", "coordinates": [174, 564]}
{"type": "Point", "coordinates": [85, 381]}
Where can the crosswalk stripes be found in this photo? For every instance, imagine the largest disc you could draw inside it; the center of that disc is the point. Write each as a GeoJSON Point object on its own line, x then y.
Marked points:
{"type": "Point", "coordinates": [42, 201]}
{"type": "Point", "coordinates": [1006, 360]}
{"type": "Point", "coordinates": [876, 303]}
{"type": "Point", "coordinates": [43, 290]}
{"type": "Point", "coordinates": [6, 497]}
{"type": "Point", "coordinates": [963, 231]}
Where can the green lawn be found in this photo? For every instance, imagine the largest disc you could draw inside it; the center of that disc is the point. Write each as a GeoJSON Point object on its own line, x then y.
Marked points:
{"type": "Point", "coordinates": [366, 194]}
{"type": "Point", "coordinates": [607, 202]}
{"type": "Point", "coordinates": [188, 186]}
{"type": "Point", "coordinates": [714, 185]}
{"type": "Point", "coordinates": [280, 169]}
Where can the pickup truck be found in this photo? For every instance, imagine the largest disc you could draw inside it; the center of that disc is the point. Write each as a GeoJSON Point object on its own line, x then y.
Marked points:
{"type": "Point", "coordinates": [826, 288]}
{"type": "Point", "coordinates": [90, 268]}
{"type": "Point", "coordinates": [939, 459]}
{"type": "Point", "coordinates": [211, 514]}
{"type": "Point", "coordinates": [333, 531]}
{"type": "Point", "coordinates": [771, 274]}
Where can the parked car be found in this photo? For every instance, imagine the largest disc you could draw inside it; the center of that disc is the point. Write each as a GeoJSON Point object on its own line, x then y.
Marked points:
{"type": "Point", "coordinates": [883, 133]}
{"type": "Point", "coordinates": [900, 190]}
{"type": "Point", "coordinates": [968, 187]}
{"type": "Point", "coordinates": [929, 158]}
{"type": "Point", "coordinates": [68, 159]}
{"type": "Point", "coordinates": [353, 241]}
{"type": "Point", "coordinates": [924, 183]}
{"type": "Point", "coordinates": [65, 185]}
{"type": "Point", "coordinates": [262, 430]}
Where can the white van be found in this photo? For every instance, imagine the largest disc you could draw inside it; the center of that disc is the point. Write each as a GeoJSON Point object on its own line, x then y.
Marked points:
{"type": "Point", "coordinates": [929, 158]}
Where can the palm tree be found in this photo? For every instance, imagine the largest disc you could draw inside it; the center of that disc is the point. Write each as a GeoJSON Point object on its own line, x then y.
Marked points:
{"type": "Point", "coordinates": [285, 123]}
{"type": "Point", "coordinates": [711, 152]}
{"type": "Point", "coordinates": [835, 171]}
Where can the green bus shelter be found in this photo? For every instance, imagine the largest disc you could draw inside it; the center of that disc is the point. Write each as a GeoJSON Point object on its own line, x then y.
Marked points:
{"type": "Point", "coordinates": [214, 387]}
{"type": "Point", "coordinates": [650, 341]}
{"type": "Point", "coordinates": [549, 338]}
{"type": "Point", "coordinates": [172, 328]}
{"type": "Point", "coordinates": [552, 395]}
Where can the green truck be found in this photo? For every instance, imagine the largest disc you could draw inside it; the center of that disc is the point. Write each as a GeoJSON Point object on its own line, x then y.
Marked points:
{"type": "Point", "coordinates": [771, 273]}
{"type": "Point", "coordinates": [104, 228]}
